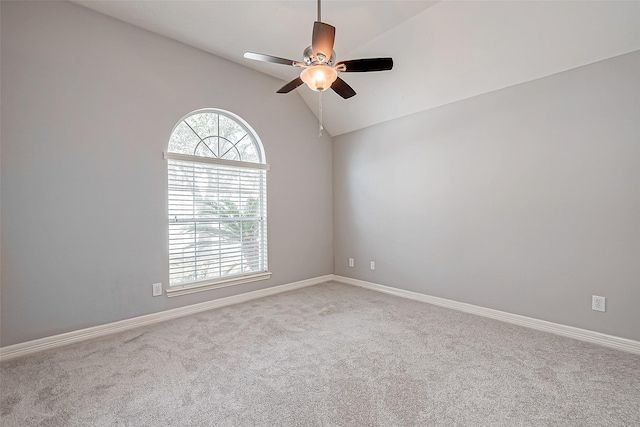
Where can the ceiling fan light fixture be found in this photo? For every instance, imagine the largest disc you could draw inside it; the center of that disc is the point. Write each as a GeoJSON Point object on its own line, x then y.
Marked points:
{"type": "Point", "coordinates": [319, 77]}
{"type": "Point", "coordinates": [320, 72]}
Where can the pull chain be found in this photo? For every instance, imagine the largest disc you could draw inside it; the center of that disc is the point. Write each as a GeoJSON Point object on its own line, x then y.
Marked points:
{"type": "Point", "coordinates": [320, 93]}
{"type": "Point", "coordinates": [320, 113]}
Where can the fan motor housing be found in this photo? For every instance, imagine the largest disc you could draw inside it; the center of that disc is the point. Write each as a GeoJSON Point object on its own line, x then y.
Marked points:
{"type": "Point", "coordinates": [309, 59]}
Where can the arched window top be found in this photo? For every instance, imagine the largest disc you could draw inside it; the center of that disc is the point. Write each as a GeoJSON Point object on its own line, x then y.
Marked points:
{"type": "Point", "coordinates": [216, 134]}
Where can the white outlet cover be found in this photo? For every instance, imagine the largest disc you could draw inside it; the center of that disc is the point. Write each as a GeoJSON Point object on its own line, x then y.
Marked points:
{"type": "Point", "coordinates": [157, 289]}
{"type": "Point", "coordinates": [351, 262]}
{"type": "Point", "coordinates": [598, 303]}
{"type": "Point", "coordinates": [373, 265]}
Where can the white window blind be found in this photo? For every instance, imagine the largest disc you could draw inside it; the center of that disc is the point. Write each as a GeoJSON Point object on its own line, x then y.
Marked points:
{"type": "Point", "coordinates": [217, 220]}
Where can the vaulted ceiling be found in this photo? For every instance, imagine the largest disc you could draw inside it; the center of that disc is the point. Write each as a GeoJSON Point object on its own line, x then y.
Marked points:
{"type": "Point", "coordinates": [443, 51]}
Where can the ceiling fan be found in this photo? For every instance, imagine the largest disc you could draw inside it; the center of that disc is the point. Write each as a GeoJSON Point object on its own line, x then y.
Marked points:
{"type": "Point", "coordinates": [320, 72]}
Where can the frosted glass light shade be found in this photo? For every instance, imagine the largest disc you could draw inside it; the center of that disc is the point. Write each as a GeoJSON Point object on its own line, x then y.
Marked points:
{"type": "Point", "coordinates": [319, 77]}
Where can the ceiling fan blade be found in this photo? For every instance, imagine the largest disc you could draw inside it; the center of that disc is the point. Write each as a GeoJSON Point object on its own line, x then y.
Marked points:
{"type": "Point", "coordinates": [290, 86]}
{"type": "Point", "coordinates": [364, 65]}
{"type": "Point", "coordinates": [342, 88]}
{"type": "Point", "coordinates": [323, 38]}
{"type": "Point", "coordinates": [269, 58]}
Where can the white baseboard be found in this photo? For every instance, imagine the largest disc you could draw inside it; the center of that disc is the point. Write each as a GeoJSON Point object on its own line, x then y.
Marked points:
{"type": "Point", "coordinates": [60, 340]}
{"type": "Point", "coordinates": [605, 340]}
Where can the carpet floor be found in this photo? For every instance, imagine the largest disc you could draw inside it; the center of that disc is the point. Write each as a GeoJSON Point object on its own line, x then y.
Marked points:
{"type": "Point", "coordinates": [327, 355]}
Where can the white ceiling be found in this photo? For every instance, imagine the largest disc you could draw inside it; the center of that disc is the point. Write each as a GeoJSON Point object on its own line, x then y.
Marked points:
{"type": "Point", "coordinates": [443, 51]}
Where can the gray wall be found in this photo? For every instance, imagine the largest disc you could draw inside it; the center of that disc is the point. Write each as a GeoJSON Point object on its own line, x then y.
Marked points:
{"type": "Point", "coordinates": [88, 104]}
{"type": "Point", "coordinates": [525, 200]}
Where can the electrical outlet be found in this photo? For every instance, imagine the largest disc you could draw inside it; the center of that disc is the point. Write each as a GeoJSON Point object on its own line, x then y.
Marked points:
{"type": "Point", "coordinates": [157, 289]}
{"type": "Point", "coordinates": [351, 263]}
{"type": "Point", "coordinates": [597, 303]}
{"type": "Point", "coordinates": [373, 265]}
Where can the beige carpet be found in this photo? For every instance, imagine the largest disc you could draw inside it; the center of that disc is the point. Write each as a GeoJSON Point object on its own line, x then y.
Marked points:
{"type": "Point", "coordinates": [328, 355]}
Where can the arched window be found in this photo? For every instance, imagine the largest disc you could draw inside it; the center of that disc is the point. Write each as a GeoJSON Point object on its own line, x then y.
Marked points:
{"type": "Point", "coordinates": [217, 192]}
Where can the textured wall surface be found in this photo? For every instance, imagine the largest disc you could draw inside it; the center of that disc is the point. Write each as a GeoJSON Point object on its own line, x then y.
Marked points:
{"type": "Point", "coordinates": [525, 200]}
{"type": "Point", "coordinates": [88, 105]}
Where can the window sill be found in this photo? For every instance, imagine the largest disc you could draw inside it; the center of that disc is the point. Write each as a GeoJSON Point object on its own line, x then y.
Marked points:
{"type": "Point", "coordinates": [175, 291]}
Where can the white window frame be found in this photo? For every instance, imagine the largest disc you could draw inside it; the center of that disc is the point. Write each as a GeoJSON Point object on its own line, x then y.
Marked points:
{"type": "Point", "coordinates": [206, 162]}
